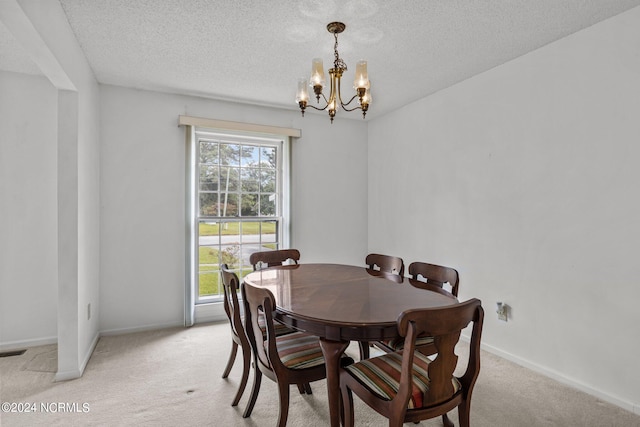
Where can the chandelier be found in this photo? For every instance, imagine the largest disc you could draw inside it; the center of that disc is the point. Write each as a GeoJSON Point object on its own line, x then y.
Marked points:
{"type": "Point", "coordinates": [360, 84]}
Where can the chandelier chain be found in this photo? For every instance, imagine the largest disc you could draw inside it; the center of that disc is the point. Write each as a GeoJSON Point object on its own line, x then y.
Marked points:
{"type": "Point", "coordinates": [338, 63]}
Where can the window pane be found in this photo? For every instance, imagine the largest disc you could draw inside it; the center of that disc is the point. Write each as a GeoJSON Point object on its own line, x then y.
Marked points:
{"type": "Point", "coordinates": [230, 154]}
{"type": "Point", "coordinates": [268, 235]}
{"type": "Point", "coordinates": [209, 204]}
{"type": "Point", "coordinates": [228, 205]}
{"type": "Point", "coordinates": [267, 204]}
{"type": "Point", "coordinates": [268, 157]}
{"type": "Point", "coordinates": [208, 152]}
{"type": "Point", "coordinates": [208, 258]}
{"type": "Point", "coordinates": [250, 177]}
{"type": "Point", "coordinates": [250, 240]}
{"type": "Point", "coordinates": [208, 234]}
{"type": "Point", "coordinates": [208, 178]}
{"type": "Point", "coordinates": [230, 232]}
{"type": "Point", "coordinates": [230, 255]}
{"type": "Point", "coordinates": [249, 205]}
{"type": "Point", "coordinates": [209, 283]}
{"type": "Point", "coordinates": [250, 156]}
{"type": "Point", "coordinates": [268, 180]}
{"type": "Point", "coordinates": [250, 231]}
{"type": "Point", "coordinates": [209, 274]}
{"type": "Point", "coordinates": [229, 179]}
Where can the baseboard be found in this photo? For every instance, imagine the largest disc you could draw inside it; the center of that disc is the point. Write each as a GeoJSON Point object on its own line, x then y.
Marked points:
{"type": "Point", "coordinates": [122, 331]}
{"type": "Point", "coordinates": [561, 378]}
{"type": "Point", "coordinates": [18, 345]}
{"type": "Point", "coordinates": [89, 352]}
{"type": "Point", "coordinates": [77, 373]}
{"type": "Point", "coordinates": [67, 375]}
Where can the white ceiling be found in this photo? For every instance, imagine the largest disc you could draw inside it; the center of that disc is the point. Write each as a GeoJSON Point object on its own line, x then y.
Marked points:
{"type": "Point", "coordinates": [254, 50]}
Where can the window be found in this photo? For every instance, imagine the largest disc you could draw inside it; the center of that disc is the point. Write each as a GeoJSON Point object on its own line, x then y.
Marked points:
{"type": "Point", "coordinates": [241, 199]}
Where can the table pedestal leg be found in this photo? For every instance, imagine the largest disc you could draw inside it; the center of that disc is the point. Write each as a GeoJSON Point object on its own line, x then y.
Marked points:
{"type": "Point", "coordinates": [332, 351]}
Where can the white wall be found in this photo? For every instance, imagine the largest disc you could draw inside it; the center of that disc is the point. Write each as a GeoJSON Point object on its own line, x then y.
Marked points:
{"type": "Point", "coordinates": [28, 211]}
{"type": "Point", "coordinates": [329, 188]}
{"type": "Point", "coordinates": [44, 32]}
{"type": "Point", "coordinates": [525, 179]}
{"type": "Point", "coordinates": [142, 187]}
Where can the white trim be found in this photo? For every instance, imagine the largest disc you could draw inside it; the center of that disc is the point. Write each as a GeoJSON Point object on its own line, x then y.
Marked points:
{"type": "Point", "coordinates": [151, 327]}
{"type": "Point", "coordinates": [77, 373]}
{"type": "Point", "coordinates": [67, 375]}
{"type": "Point", "coordinates": [22, 344]}
{"type": "Point", "coordinates": [244, 127]}
{"type": "Point", "coordinates": [191, 251]}
{"type": "Point", "coordinates": [89, 352]}
{"type": "Point", "coordinates": [285, 182]}
{"type": "Point", "coordinates": [561, 378]}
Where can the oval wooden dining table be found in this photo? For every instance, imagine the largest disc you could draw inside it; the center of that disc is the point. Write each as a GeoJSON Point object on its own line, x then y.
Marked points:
{"type": "Point", "coordinates": [343, 303]}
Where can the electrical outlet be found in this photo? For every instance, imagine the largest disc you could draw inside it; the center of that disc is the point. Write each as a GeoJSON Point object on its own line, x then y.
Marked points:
{"type": "Point", "coordinates": [502, 310]}
{"type": "Point", "coordinates": [89, 311]}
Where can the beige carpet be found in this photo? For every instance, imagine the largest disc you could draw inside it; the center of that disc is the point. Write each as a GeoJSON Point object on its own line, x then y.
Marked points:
{"type": "Point", "coordinates": [172, 377]}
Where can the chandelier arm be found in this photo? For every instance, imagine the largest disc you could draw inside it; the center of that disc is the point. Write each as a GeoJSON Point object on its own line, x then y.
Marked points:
{"type": "Point", "coordinates": [326, 103]}
{"type": "Point", "coordinates": [347, 104]}
{"type": "Point", "coordinates": [316, 108]}
{"type": "Point", "coordinates": [359, 107]}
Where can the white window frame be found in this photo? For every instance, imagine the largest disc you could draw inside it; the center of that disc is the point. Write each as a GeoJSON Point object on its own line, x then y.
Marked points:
{"type": "Point", "coordinates": [208, 312]}
{"type": "Point", "coordinates": [281, 216]}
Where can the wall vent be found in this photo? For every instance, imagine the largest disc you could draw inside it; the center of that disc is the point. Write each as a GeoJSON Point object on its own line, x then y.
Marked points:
{"type": "Point", "coordinates": [12, 353]}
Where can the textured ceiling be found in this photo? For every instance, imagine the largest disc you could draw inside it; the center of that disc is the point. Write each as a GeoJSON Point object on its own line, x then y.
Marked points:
{"type": "Point", "coordinates": [254, 50]}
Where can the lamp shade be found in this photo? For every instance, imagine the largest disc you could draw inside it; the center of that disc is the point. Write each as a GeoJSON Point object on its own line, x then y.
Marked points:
{"type": "Point", "coordinates": [366, 99]}
{"type": "Point", "coordinates": [362, 77]}
{"type": "Point", "coordinates": [303, 91]}
{"type": "Point", "coordinates": [317, 72]}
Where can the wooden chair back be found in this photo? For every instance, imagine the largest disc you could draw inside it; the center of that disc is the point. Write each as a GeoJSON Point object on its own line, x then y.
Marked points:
{"type": "Point", "coordinates": [260, 303]}
{"type": "Point", "coordinates": [441, 396]}
{"type": "Point", "coordinates": [385, 263]}
{"type": "Point", "coordinates": [230, 284]}
{"type": "Point", "coordinates": [435, 275]}
{"type": "Point", "coordinates": [272, 258]}
{"type": "Point", "coordinates": [445, 325]}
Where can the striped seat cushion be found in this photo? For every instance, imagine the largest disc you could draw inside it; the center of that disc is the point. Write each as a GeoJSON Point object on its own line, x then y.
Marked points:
{"type": "Point", "coordinates": [381, 375]}
{"type": "Point", "coordinates": [279, 328]}
{"type": "Point", "coordinates": [397, 344]}
{"type": "Point", "coordinates": [298, 350]}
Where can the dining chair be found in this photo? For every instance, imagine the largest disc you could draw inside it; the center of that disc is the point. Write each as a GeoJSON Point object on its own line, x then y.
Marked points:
{"type": "Point", "coordinates": [408, 386]}
{"type": "Point", "coordinates": [435, 275]}
{"type": "Point", "coordinates": [231, 286]}
{"type": "Point", "coordinates": [385, 263]}
{"type": "Point", "coordinates": [430, 277]}
{"type": "Point", "coordinates": [272, 258]}
{"type": "Point", "coordinates": [294, 358]}
{"type": "Point", "coordinates": [392, 265]}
